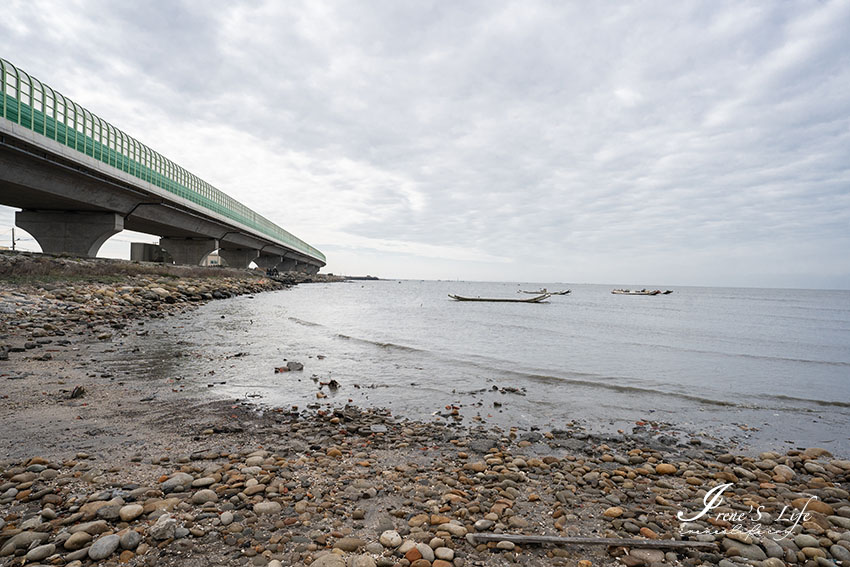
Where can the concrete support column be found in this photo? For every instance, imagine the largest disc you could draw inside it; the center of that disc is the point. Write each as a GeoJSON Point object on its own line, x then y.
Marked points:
{"type": "Point", "coordinates": [238, 258]}
{"type": "Point", "coordinates": [287, 265]}
{"type": "Point", "coordinates": [76, 233]}
{"type": "Point", "coordinates": [311, 269]}
{"type": "Point", "coordinates": [189, 251]}
{"type": "Point", "coordinates": [266, 261]}
{"type": "Point", "coordinates": [144, 252]}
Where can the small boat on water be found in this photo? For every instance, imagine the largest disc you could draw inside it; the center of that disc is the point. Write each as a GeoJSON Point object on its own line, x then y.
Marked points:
{"type": "Point", "coordinates": [636, 292]}
{"type": "Point", "coordinates": [537, 299]}
{"type": "Point", "coordinates": [544, 290]}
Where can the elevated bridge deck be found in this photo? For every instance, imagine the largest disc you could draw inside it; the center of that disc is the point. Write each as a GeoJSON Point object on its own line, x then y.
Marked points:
{"type": "Point", "coordinates": [79, 180]}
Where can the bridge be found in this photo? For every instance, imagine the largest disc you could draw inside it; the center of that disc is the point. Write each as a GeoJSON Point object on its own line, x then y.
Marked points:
{"type": "Point", "coordinates": [80, 180]}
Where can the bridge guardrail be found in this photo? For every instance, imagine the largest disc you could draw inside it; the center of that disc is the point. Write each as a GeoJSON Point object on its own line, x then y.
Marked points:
{"type": "Point", "coordinates": [28, 102]}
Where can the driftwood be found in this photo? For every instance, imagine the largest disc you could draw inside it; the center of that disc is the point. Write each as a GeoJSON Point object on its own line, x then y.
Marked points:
{"type": "Point", "coordinates": [610, 541]}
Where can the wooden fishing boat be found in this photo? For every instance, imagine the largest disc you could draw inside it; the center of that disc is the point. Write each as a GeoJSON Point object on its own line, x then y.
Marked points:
{"type": "Point", "coordinates": [636, 292]}
{"type": "Point", "coordinates": [537, 299]}
{"type": "Point", "coordinates": [544, 290]}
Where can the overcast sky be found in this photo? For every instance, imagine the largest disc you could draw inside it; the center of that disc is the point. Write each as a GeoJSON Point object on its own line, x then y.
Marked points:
{"type": "Point", "coordinates": [669, 143]}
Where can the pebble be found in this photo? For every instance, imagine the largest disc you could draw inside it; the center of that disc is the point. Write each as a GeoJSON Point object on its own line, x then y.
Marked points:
{"type": "Point", "coordinates": [226, 518]}
{"type": "Point", "coordinates": [130, 540]}
{"type": "Point", "coordinates": [130, 512]}
{"type": "Point", "coordinates": [204, 496]}
{"type": "Point", "coordinates": [267, 507]}
{"type": "Point", "coordinates": [349, 544]}
{"type": "Point", "coordinates": [391, 539]}
{"type": "Point", "coordinates": [41, 552]}
{"type": "Point", "coordinates": [329, 560]}
{"type": "Point", "coordinates": [104, 546]}
{"type": "Point", "coordinates": [77, 541]}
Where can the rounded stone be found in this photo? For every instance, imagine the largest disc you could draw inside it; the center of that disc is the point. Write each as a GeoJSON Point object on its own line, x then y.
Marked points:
{"type": "Point", "coordinates": [77, 541]}
{"type": "Point", "coordinates": [391, 539]}
{"type": "Point", "coordinates": [266, 507]}
{"type": "Point", "coordinates": [41, 552]}
{"type": "Point", "coordinates": [362, 561]}
{"type": "Point", "coordinates": [349, 544]}
{"type": "Point", "coordinates": [426, 551]}
{"type": "Point", "coordinates": [177, 481]}
{"type": "Point", "coordinates": [130, 512]}
{"type": "Point", "coordinates": [329, 560]}
{"type": "Point", "coordinates": [131, 540]}
{"type": "Point", "coordinates": [104, 547]}
{"type": "Point", "coordinates": [805, 540]}
{"type": "Point", "coordinates": [613, 512]}
{"type": "Point", "coordinates": [204, 496]}
{"type": "Point", "coordinates": [840, 553]}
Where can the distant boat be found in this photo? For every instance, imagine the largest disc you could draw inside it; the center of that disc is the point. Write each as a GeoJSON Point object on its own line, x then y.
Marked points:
{"type": "Point", "coordinates": [636, 292]}
{"type": "Point", "coordinates": [537, 299]}
{"type": "Point", "coordinates": [544, 290]}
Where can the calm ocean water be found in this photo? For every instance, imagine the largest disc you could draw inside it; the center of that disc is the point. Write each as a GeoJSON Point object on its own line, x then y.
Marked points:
{"type": "Point", "coordinates": [765, 367]}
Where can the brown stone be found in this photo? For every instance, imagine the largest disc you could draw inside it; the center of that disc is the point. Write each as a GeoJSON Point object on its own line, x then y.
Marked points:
{"type": "Point", "coordinates": [613, 512]}
{"type": "Point", "coordinates": [665, 468]}
{"type": "Point", "coordinates": [648, 533]}
{"type": "Point", "coordinates": [813, 506]}
{"type": "Point", "coordinates": [816, 452]}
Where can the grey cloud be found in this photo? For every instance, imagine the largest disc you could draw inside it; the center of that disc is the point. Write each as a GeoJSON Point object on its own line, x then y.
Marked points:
{"type": "Point", "coordinates": [581, 134]}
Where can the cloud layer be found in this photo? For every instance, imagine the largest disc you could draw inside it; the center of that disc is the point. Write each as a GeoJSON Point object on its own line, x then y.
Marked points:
{"type": "Point", "coordinates": [701, 143]}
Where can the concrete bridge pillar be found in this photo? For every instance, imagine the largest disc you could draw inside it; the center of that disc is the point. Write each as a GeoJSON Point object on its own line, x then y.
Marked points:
{"type": "Point", "coordinates": [311, 269]}
{"type": "Point", "coordinates": [266, 261]}
{"type": "Point", "coordinates": [189, 251]}
{"type": "Point", "coordinates": [239, 257]}
{"type": "Point", "coordinates": [78, 233]}
{"type": "Point", "coordinates": [287, 265]}
{"type": "Point", "coordinates": [144, 252]}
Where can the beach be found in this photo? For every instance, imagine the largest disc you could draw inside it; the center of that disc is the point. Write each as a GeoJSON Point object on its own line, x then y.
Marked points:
{"type": "Point", "coordinates": [98, 468]}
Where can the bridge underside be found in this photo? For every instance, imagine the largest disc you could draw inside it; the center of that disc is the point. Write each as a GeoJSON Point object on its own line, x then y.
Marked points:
{"type": "Point", "coordinates": [70, 208]}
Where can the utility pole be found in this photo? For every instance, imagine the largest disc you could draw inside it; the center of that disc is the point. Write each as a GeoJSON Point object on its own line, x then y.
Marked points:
{"type": "Point", "coordinates": [13, 239]}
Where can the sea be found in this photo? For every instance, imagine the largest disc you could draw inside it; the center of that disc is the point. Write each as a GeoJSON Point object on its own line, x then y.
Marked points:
{"type": "Point", "coordinates": [757, 368]}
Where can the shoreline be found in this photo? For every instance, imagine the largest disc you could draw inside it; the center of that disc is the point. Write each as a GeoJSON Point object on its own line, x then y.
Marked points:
{"type": "Point", "coordinates": [228, 482]}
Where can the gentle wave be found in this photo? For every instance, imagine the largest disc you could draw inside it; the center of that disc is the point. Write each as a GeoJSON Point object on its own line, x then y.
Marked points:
{"type": "Point", "coordinates": [597, 381]}
{"type": "Point", "coordinates": [628, 389]}
{"type": "Point", "coordinates": [826, 403]}
{"type": "Point", "coordinates": [492, 367]}
{"type": "Point", "coordinates": [391, 346]}
{"type": "Point", "coordinates": [839, 363]}
{"type": "Point", "coordinates": [303, 322]}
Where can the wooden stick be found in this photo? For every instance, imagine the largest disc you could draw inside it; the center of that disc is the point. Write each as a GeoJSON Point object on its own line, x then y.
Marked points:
{"type": "Point", "coordinates": [616, 542]}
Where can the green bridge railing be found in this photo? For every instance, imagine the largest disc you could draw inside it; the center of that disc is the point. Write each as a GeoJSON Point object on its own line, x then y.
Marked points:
{"type": "Point", "coordinates": [28, 102]}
